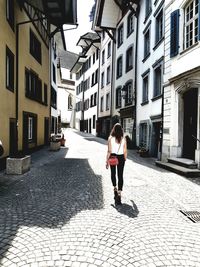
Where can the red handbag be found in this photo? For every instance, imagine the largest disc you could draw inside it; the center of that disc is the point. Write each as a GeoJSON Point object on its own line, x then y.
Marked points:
{"type": "Point", "coordinates": [113, 161]}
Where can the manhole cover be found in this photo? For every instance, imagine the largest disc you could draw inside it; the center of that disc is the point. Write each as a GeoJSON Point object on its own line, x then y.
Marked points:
{"type": "Point", "coordinates": [194, 216]}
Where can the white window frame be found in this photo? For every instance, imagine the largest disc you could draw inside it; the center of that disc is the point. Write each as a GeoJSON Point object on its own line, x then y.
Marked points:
{"type": "Point", "coordinates": [191, 22]}
{"type": "Point", "coordinates": [30, 128]}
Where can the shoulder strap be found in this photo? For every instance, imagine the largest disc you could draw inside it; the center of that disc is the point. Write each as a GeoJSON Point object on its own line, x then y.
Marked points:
{"type": "Point", "coordinates": [119, 146]}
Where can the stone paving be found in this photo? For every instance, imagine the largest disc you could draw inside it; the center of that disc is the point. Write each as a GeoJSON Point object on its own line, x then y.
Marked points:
{"type": "Point", "coordinates": [62, 212]}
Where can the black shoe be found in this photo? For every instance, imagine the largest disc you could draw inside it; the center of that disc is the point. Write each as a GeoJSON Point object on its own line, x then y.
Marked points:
{"type": "Point", "coordinates": [116, 194]}
{"type": "Point", "coordinates": [118, 200]}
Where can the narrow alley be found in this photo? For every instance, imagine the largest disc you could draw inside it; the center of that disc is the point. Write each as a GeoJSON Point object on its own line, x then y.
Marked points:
{"type": "Point", "coordinates": [62, 212]}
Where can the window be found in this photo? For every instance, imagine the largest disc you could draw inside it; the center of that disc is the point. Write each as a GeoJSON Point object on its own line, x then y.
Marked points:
{"type": "Point", "coordinates": [119, 67]}
{"type": "Point", "coordinates": [108, 101]}
{"type": "Point", "coordinates": [10, 12]}
{"type": "Point", "coordinates": [91, 100]}
{"type": "Point", "coordinates": [97, 54]}
{"type": "Point", "coordinates": [148, 8]}
{"type": "Point", "coordinates": [94, 122]}
{"type": "Point", "coordinates": [102, 79]}
{"type": "Point", "coordinates": [129, 24]}
{"type": "Point", "coordinates": [129, 94]}
{"type": "Point", "coordinates": [120, 36]}
{"type": "Point", "coordinates": [145, 89]}
{"type": "Point", "coordinates": [157, 81]}
{"type": "Point", "coordinates": [9, 69]}
{"type": "Point", "coordinates": [53, 98]}
{"type": "Point", "coordinates": [143, 135]}
{"type": "Point", "coordinates": [31, 124]}
{"type": "Point", "coordinates": [95, 99]}
{"type": "Point", "coordinates": [108, 75]}
{"type": "Point", "coordinates": [93, 58]}
{"type": "Point", "coordinates": [129, 59]}
{"type": "Point", "coordinates": [109, 50]}
{"type": "Point", "coordinates": [101, 105]}
{"type": "Point", "coordinates": [93, 79]}
{"type": "Point", "coordinates": [118, 97]}
{"type": "Point", "coordinates": [35, 47]}
{"type": "Point", "coordinates": [159, 27]}
{"type": "Point", "coordinates": [30, 128]}
{"type": "Point", "coordinates": [70, 102]}
{"type": "Point", "coordinates": [33, 87]}
{"type": "Point", "coordinates": [147, 43]}
{"type": "Point", "coordinates": [96, 76]}
{"type": "Point", "coordinates": [54, 73]}
{"type": "Point", "coordinates": [103, 57]}
{"type": "Point", "coordinates": [191, 23]}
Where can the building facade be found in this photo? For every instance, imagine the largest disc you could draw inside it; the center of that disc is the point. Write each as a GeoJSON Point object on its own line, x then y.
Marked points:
{"type": "Point", "coordinates": [124, 104]}
{"type": "Point", "coordinates": [104, 107]}
{"type": "Point", "coordinates": [25, 81]}
{"type": "Point", "coordinates": [25, 73]}
{"type": "Point", "coordinates": [66, 89]}
{"type": "Point", "coordinates": [87, 77]}
{"type": "Point", "coordinates": [119, 20]}
{"type": "Point", "coordinates": [150, 67]}
{"type": "Point", "coordinates": [181, 132]}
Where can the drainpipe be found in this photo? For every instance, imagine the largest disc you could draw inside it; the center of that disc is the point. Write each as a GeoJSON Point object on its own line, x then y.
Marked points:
{"type": "Point", "coordinates": [113, 75]}
{"type": "Point", "coordinates": [135, 83]}
{"type": "Point", "coordinates": [17, 85]}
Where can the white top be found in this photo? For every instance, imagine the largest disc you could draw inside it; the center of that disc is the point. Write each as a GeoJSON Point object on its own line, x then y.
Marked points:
{"type": "Point", "coordinates": [115, 146]}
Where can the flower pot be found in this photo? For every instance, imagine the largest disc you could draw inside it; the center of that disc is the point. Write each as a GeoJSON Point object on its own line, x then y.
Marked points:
{"type": "Point", "coordinates": [54, 145]}
{"type": "Point", "coordinates": [18, 165]}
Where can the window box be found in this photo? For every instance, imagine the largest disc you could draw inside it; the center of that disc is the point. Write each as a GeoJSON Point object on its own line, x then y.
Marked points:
{"type": "Point", "coordinates": [18, 165]}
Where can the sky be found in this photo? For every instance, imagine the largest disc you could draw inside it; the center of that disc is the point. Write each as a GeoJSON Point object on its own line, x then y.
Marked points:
{"type": "Point", "coordinates": [84, 25]}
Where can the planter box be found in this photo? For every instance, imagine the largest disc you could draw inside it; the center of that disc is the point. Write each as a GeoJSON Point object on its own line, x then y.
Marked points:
{"type": "Point", "coordinates": [54, 146]}
{"type": "Point", "coordinates": [18, 165]}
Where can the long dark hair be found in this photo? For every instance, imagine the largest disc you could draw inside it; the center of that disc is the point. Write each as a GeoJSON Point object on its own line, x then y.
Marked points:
{"type": "Point", "coordinates": [117, 132]}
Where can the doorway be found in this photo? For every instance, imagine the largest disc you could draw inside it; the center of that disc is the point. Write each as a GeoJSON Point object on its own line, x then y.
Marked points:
{"type": "Point", "coordinates": [155, 141]}
{"type": "Point", "coordinates": [13, 137]}
{"type": "Point", "coordinates": [46, 131]}
{"type": "Point", "coordinates": [190, 123]}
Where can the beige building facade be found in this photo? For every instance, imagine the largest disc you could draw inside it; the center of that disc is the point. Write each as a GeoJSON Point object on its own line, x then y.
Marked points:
{"type": "Point", "coordinates": [24, 92]}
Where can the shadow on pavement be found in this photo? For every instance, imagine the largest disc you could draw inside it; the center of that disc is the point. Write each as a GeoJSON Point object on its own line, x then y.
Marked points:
{"type": "Point", "coordinates": [48, 196]}
{"type": "Point", "coordinates": [128, 210]}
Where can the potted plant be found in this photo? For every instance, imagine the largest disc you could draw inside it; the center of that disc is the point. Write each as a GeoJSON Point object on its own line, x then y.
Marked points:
{"type": "Point", "coordinates": [54, 143]}
{"type": "Point", "coordinates": [143, 150]}
{"type": "Point", "coordinates": [18, 163]}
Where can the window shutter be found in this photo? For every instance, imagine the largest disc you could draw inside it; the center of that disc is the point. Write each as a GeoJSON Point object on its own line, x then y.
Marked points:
{"type": "Point", "coordinates": [174, 41]}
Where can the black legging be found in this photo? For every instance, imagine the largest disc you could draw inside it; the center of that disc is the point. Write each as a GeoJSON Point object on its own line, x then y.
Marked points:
{"type": "Point", "coordinates": [120, 169]}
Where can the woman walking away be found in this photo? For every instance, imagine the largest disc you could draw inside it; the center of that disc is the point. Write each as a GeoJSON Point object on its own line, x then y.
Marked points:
{"type": "Point", "coordinates": [117, 147]}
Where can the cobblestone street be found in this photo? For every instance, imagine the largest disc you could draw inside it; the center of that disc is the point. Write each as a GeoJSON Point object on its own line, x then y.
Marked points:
{"type": "Point", "coordinates": [62, 212]}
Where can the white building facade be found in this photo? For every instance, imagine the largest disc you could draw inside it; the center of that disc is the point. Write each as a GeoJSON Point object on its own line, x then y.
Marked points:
{"type": "Point", "coordinates": [87, 77]}
{"type": "Point", "coordinates": [124, 74]}
{"type": "Point", "coordinates": [66, 99]}
{"type": "Point", "coordinates": [150, 65]}
{"type": "Point", "coordinates": [181, 129]}
{"type": "Point", "coordinates": [105, 86]}
{"type": "Point", "coordinates": [119, 20]}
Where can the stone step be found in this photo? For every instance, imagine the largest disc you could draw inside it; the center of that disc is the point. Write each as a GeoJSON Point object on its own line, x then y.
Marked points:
{"type": "Point", "coordinates": [178, 169]}
{"type": "Point", "coordinates": [184, 162]}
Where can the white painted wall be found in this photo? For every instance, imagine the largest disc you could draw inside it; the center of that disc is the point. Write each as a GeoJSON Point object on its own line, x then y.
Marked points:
{"type": "Point", "coordinates": [103, 68]}
{"type": "Point", "coordinates": [177, 69]}
{"type": "Point", "coordinates": [153, 108]}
